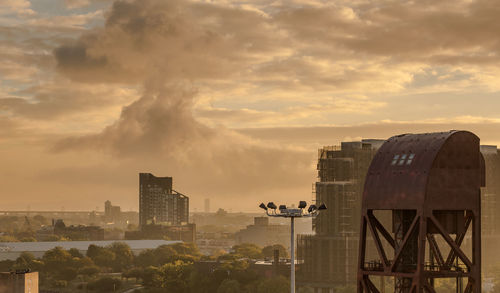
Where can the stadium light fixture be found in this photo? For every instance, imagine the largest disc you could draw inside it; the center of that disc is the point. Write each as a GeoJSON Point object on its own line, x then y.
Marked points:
{"type": "Point", "coordinates": [292, 213]}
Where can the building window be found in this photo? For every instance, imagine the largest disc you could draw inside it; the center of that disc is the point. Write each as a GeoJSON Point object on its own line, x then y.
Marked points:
{"type": "Point", "coordinates": [402, 160]}
{"type": "Point", "coordinates": [395, 160]}
{"type": "Point", "coordinates": [410, 159]}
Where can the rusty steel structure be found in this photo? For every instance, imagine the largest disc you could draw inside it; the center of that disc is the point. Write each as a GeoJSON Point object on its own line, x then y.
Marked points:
{"type": "Point", "coordinates": [428, 186]}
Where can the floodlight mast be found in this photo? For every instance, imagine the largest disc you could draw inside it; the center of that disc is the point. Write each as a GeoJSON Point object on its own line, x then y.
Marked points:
{"type": "Point", "coordinates": [292, 213]}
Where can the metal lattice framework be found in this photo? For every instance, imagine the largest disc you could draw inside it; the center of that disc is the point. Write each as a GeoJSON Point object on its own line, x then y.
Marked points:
{"type": "Point", "coordinates": [431, 185]}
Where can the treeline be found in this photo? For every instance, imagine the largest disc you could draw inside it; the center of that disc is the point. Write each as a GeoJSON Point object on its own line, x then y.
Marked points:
{"type": "Point", "coordinates": [168, 268]}
{"type": "Point", "coordinates": [20, 228]}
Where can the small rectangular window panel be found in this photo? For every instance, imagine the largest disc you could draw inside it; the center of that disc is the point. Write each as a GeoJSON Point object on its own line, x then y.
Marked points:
{"type": "Point", "coordinates": [401, 160]}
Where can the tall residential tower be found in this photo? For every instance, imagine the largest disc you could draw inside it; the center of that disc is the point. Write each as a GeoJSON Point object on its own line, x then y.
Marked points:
{"type": "Point", "coordinates": [159, 203]}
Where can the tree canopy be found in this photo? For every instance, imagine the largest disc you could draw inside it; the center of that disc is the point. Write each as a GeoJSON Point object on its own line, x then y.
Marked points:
{"type": "Point", "coordinates": [248, 250]}
{"type": "Point", "coordinates": [268, 251]}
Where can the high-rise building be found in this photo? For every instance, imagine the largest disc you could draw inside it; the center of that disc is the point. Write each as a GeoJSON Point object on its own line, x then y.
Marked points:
{"type": "Point", "coordinates": [329, 257]}
{"type": "Point", "coordinates": [159, 203]}
{"type": "Point", "coordinates": [489, 194]}
{"type": "Point", "coordinates": [490, 203]}
{"type": "Point", "coordinates": [111, 213]}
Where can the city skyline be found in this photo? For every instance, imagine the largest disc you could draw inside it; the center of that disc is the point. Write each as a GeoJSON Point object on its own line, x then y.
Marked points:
{"type": "Point", "coordinates": [231, 98]}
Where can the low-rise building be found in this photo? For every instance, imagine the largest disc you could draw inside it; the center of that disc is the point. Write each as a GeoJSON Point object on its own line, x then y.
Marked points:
{"type": "Point", "coordinates": [263, 234]}
{"type": "Point", "coordinates": [73, 232]}
{"type": "Point", "coordinates": [19, 282]}
{"type": "Point", "coordinates": [186, 233]}
{"type": "Point", "coordinates": [78, 232]}
{"type": "Point", "coordinates": [215, 246]}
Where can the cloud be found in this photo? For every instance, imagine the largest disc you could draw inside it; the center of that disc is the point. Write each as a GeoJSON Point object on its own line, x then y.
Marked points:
{"type": "Point", "coordinates": [74, 4]}
{"type": "Point", "coordinates": [76, 22]}
{"type": "Point", "coordinates": [19, 7]}
{"type": "Point", "coordinates": [438, 32]}
{"type": "Point", "coordinates": [298, 49]}
{"type": "Point", "coordinates": [159, 129]}
{"type": "Point", "coordinates": [160, 121]}
{"type": "Point", "coordinates": [290, 115]}
{"type": "Point", "coordinates": [168, 47]}
{"type": "Point", "coordinates": [7, 127]}
{"type": "Point", "coordinates": [24, 56]}
{"type": "Point", "coordinates": [180, 51]}
{"type": "Point", "coordinates": [315, 136]}
{"type": "Point", "coordinates": [178, 39]}
{"type": "Point", "coordinates": [61, 99]}
{"type": "Point", "coordinates": [162, 84]}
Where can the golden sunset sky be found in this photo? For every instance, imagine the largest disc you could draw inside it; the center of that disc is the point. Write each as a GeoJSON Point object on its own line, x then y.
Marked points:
{"type": "Point", "coordinates": [230, 98]}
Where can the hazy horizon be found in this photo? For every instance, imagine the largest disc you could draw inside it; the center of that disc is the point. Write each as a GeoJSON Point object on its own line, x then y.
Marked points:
{"type": "Point", "coordinates": [230, 98]}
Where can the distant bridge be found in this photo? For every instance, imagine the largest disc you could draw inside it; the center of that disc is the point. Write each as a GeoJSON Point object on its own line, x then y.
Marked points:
{"type": "Point", "coordinates": [25, 213]}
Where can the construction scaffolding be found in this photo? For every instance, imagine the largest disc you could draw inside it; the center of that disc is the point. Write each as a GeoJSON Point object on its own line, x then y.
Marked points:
{"type": "Point", "coordinates": [329, 257]}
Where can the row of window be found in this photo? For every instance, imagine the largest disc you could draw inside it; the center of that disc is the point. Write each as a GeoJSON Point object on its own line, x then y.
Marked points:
{"type": "Point", "coordinates": [400, 160]}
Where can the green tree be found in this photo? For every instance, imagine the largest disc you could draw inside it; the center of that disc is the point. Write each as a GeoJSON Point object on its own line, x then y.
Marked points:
{"type": "Point", "coordinates": [8, 238]}
{"type": "Point", "coordinates": [82, 262]}
{"type": "Point", "coordinates": [229, 286]}
{"type": "Point", "coordinates": [60, 284]}
{"type": "Point", "coordinates": [123, 256]}
{"type": "Point", "coordinates": [6, 265]}
{"type": "Point", "coordinates": [248, 250]}
{"type": "Point", "coordinates": [25, 261]}
{"type": "Point", "coordinates": [203, 283]}
{"type": "Point", "coordinates": [93, 251]}
{"type": "Point", "coordinates": [59, 264]}
{"type": "Point", "coordinates": [105, 284]}
{"type": "Point", "coordinates": [101, 256]}
{"type": "Point", "coordinates": [173, 277]}
{"type": "Point", "coordinates": [28, 239]}
{"type": "Point", "coordinates": [146, 258]}
{"type": "Point", "coordinates": [184, 248]}
{"type": "Point", "coordinates": [268, 251]}
{"type": "Point", "coordinates": [57, 259]}
{"type": "Point", "coordinates": [25, 258]}
{"type": "Point", "coordinates": [165, 254]}
{"type": "Point", "coordinates": [75, 253]}
{"type": "Point", "coordinates": [239, 270]}
{"type": "Point", "coordinates": [149, 276]}
{"type": "Point", "coordinates": [88, 271]}
{"type": "Point", "coordinates": [53, 237]}
{"type": "Point", "coordinates": [274, 285]}
{"type": "Point", "coordinates": [135, 273]}
{"type": "Point", "coordinates": [68, 274]}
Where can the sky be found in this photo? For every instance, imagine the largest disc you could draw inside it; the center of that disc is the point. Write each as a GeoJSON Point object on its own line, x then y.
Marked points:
{"type": "Point", "coordinates": [230, 98]}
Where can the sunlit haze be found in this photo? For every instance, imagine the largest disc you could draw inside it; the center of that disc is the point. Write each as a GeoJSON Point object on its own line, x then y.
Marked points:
{"type": "Point", "coordinates": [231, 99]}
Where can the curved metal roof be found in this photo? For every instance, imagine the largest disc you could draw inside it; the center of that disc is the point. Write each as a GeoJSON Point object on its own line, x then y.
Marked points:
{"type": "Point", "coordinates": [444, 170]}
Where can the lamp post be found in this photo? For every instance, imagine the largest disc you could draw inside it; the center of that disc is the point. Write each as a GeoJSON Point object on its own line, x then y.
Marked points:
{"type": "Point", "coordinates": [292, 213]}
